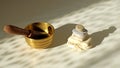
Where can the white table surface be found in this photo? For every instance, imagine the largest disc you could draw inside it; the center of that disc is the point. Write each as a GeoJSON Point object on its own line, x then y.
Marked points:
{"type": "Point", "coordinates": [101, 20]}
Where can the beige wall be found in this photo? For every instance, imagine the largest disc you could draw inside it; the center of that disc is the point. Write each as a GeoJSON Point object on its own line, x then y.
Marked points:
{"type": "Point", "coordinates": [23, 12]}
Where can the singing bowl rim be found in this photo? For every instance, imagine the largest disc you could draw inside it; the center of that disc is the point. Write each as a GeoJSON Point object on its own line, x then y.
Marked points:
{"type": "Point", "coordinates": [51, 35]}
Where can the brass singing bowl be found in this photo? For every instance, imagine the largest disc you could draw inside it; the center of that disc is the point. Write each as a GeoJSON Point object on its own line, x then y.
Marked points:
{"type": "Point", "coordinates": [40, 42]}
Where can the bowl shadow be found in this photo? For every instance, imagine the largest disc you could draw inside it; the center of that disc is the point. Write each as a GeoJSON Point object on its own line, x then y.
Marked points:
{"type": "Point", "coordinates": [61, 35]}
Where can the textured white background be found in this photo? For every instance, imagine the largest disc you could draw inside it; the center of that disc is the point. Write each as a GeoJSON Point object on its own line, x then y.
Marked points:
{"type": "Point", "coordinates": [101, 20]}
{"type": "Point", "coordinates": [23, 12]}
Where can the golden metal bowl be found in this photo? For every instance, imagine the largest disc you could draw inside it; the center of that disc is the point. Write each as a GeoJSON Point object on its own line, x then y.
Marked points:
{"type": "Point", "coordinates": [40, 42]}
